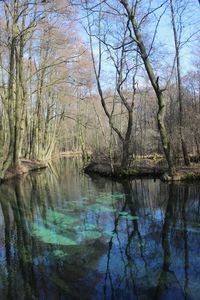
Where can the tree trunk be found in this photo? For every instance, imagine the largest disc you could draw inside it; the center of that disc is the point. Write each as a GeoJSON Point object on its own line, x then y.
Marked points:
{"type": "Point", "coordinates": [10, 109]}
{"type": "Point", "coordinates": [197, 145]}
{"type": "Point", "coordinates": [126, 156]}
{"type": "Point", "coordinates": [18, 104]}
{"type": "Point", "coordinates": [179, 82]}
{"type": "Point", "coordinates": [155, 84]}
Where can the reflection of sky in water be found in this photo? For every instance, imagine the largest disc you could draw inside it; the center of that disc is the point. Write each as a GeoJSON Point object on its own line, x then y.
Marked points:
{"type": "Point", "coordinates": [66, 235]}
{"type": "Point", "coordinates": [158, 214]}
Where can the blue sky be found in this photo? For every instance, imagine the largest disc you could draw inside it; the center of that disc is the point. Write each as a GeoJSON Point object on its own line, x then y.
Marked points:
{"type": "Point", "coordinates": [163, 52]}
{"type": "Point", "coordinates": [190, 24]}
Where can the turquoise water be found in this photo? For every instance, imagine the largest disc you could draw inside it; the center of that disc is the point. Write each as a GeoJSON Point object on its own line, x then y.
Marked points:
{"type": "Point", "coordinates": [64, 235]}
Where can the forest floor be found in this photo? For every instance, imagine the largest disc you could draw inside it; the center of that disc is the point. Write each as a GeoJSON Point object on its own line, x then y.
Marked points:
{"type": "Point", "coordinates": [25, 167]}
{"type": "Point", "coordinates": [67, 154]}
{"type": "Point", "coordinates": [28, 165]}
{"type": "Point", "coordinates": [70, 154]}
{"type": "Point", "coordinates": [145, 168]}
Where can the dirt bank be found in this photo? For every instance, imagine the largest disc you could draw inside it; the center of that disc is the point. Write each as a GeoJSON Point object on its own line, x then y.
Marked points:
{"type": "Point", "coordinates": [26, 166]}
{"type": "Point", "coordinates": [182, 173]}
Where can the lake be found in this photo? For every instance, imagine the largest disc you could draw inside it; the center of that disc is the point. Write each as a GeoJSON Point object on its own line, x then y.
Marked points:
{"type": "Point", "coordinates": [65, 235]}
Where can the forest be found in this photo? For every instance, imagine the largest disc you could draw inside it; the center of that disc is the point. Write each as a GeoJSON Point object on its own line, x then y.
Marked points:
{"type": "Point", "coordinates": [101, 99]}
{"type": "Point", "coordinates": [117, 82]}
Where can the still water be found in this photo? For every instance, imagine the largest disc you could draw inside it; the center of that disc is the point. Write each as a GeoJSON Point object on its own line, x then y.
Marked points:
{"type": "Point", "coordinates": [64, 235]}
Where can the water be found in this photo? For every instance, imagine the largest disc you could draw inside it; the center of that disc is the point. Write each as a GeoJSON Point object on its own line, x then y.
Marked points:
{"type": "Point", "coordinates": [64, 235]}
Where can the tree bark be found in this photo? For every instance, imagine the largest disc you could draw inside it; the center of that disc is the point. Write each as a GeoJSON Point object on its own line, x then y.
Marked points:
{"type": "Point", "coordinates": [155, 84]}
{"type": "Point", "coordinates": [127, 143]}
{"type": "Point", "coordinates": [179, 83]}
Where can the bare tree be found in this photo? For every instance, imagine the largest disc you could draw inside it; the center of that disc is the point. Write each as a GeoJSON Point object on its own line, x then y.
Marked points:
{"type": "Point", "coordinates": [177, 44]}
{"type": "Point", "coordinates": [131, 12]}
{"type": "Point", "coordinates": [125, 71]}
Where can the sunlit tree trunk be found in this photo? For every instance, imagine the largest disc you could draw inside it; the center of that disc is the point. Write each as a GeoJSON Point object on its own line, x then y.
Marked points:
{"type": "Point", "coordinates": [155, 84]}
{"type": "Point", "coordinates": [179, 83]}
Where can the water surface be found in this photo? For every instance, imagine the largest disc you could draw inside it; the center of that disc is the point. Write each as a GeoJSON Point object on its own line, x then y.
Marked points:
{"type": "Point", "coordinates": [65, 235]}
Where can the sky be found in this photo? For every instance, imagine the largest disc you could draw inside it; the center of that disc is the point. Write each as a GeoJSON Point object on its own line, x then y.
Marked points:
{"type": "Point", "coordinates": [190, 33]}
{"type": "Point", "coordinates": [164, 43]}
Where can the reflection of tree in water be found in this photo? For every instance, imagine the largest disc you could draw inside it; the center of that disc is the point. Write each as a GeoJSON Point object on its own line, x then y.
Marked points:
{"type": "Point", "coordinates": [31, 270]}
{"type": "Point", "coordinates": [169, 283]}
{"type": "Point", "coordinates": [18, 243]}
{"type": "Point", "coordinates": [140, 262]}
{"type": "Point", "coordinates": [21, 202]}
{"type": "Point", "coordinates": [129, 266]}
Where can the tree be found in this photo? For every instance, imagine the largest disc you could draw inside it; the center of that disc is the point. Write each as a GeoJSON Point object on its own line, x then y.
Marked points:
{"type": "Point", "coordinates": [131, 12]}
{"type": "Point", "coordinates": [124, 70]}
{"type": "Point", "coordinates": [35, 74]}
{"type": "Point", "coordinates": [177, 44]}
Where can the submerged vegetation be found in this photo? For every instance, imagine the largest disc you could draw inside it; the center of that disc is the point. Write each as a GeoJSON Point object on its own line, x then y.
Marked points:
{"type": "Point", "coordinates": [100, 79]}
{"type": "Point", "coordinates": [116, 82]}
{"type": "Point", "coordinates": [80, 238]}
{"type": "Point", "coordinates": [65, 228]}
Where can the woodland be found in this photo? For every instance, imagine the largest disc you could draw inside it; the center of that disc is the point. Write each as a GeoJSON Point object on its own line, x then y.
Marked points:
{"type": "Point", "coordinates": [115, 81]}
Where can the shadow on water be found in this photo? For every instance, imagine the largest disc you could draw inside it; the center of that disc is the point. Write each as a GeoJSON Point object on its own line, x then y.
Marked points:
{"type": "Point", "coordinates": [65, 235]}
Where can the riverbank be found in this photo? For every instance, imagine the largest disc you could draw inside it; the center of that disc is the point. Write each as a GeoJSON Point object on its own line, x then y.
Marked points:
{"type": "Point", "coordinates": [104, 169]}
{"type": "Point", "coordinates": [67, 154]}
{"type": "Point", "coordinates": [138, 171]}
{"type": "Point", "coordinates": [26, 166]}
{"type": "Point", "coordinates": [70, 154]}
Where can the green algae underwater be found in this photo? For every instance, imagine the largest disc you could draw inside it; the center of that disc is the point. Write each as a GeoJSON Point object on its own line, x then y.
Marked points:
{"type": "Point", "coordinates": [65, 235]}
{"type": "Point", "coordinates": [67, 229]}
